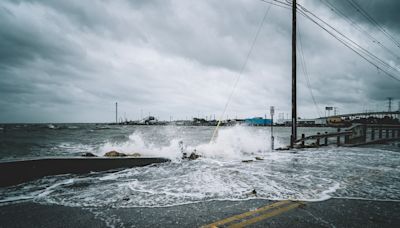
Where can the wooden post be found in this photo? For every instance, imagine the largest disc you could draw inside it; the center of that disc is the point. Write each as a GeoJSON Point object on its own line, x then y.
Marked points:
{"type": "Point", "coordinates": [393, 133]}
{"type": "Point", "coordinates": [387, 133]}
{"type": "Point", "coordinates": [372, 134]}
{"type": "Point", "coordinates": [338, 138]}
{"type": "Point", "coordinates": [326, 139]}
{"type": "Point", "coordinates": [302, 142]}
{"type": "Point", "coordinates": [347, 139]}
{"type": "Point", "coordinates": [380, 132]}
{"type": "Point", "coordinates": [364, 131]}
{"type": "Point", "coordinates": [318, 139]}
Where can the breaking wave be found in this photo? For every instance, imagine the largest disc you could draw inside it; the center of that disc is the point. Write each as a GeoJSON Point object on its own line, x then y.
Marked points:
{"type": "Point", "coordinates": [237, 142]}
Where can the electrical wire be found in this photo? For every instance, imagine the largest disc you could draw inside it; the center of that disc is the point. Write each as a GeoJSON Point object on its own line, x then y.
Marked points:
{"type": "Point", "coordinates": [358, 27]}
{"type": "Point", "coordinates": [359, 9]}
{"type": "Point", "coordinates": [348, 43]}
{"type": "Point", "coordinates": [353, 43]}
{"type": "Point", "coordinates": [305, 72]}
{"type": "Point", "coordinates": [241, 73]}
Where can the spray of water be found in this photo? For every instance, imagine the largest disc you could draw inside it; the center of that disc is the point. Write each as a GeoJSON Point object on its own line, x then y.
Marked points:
{"type": "Point", "coordinates": [236, 142]}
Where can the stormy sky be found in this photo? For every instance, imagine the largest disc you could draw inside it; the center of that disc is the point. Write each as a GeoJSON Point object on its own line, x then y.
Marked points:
{"type": "Point", "coordinates": [70, 61]}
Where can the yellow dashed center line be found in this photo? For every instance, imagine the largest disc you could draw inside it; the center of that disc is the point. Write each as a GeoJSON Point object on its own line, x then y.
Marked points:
{"type": "Point", "coordinates": [265, 215]}
{"type": "Point", "coordinates": [264, 212]}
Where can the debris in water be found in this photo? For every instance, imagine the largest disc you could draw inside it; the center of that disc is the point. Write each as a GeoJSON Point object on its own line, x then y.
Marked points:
{"type": "Point", "coordinates": [247, 161]}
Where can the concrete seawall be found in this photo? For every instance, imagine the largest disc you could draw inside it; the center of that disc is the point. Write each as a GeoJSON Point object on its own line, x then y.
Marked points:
{"type": "Point", "coordinates": [17, 172]}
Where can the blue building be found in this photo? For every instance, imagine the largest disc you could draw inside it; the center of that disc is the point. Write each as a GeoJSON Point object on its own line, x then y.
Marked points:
{"type": "Point", "coordinates": [257, 121]}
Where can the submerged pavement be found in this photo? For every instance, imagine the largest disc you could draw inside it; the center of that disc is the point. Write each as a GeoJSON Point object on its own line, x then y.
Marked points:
{"type": "Point", "coordinates": [249, 213]}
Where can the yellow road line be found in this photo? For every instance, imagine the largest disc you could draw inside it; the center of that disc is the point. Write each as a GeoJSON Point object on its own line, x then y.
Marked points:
{"type": "Point", "coordinates": [247, 214]}
{"type": "Point", "coordinates": [266, 215]}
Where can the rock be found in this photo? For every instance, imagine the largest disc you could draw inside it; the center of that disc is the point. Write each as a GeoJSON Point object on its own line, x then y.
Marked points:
{"type": "Point", "coordinates": [114, 153]}
{"type": "Point", "coordinates": [258, 158]}
{"type": "Point", "coordinates": [254, 192]}
{"type": "Point", "coordinates": [194, 156]}
{"type": "Point", "coordinates": [88, 155]}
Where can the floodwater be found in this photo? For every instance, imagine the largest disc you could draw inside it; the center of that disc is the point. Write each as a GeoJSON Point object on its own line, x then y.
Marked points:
{"type": "Point", "coordinates": [371, 172]}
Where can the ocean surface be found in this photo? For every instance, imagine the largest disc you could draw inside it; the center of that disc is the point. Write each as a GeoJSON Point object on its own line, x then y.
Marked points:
{"type": "Point", "coordinates": [371, 172]}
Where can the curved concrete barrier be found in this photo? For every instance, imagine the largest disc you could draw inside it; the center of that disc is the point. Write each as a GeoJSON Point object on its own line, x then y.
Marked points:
{"type": "Point", "coordinates": [17, 172]}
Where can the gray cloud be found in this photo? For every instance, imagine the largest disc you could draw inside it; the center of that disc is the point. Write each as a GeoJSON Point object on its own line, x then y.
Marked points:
{"type": "Point", "coordinates": [69, 61]}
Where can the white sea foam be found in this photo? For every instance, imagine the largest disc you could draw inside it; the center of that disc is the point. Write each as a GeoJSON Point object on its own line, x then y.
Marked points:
{"type": "Point", "coordinates": [220, 174]}
{"type": "Point", "coordinates": [237, 142]}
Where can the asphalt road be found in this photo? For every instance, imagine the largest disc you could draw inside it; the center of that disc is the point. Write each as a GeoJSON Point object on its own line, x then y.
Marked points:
{"type": "Point", "coordinates": [250, 213]}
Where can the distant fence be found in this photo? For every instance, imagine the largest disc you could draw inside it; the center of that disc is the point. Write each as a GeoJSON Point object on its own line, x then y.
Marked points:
{"type": "Point", "coordinates": [357, 135]}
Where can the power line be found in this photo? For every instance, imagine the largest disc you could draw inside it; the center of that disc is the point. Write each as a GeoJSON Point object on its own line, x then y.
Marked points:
{"type": "Point", "coordinates": [365, 51]}
{"type": "Point", "coordinates": [305, 72]}
{"type": "Point", "coordinates": [355, 47]}
{"type": "Point", "coordinates": [359, 9]}
{"type": "Point", "coordinates": [241, 72]}
{"type": "Point", "coordinates": [348, 43]}
{"type": "Point", "coordinates": [277, 3]}
{"type": "Point", "coordinates": [357, 27]}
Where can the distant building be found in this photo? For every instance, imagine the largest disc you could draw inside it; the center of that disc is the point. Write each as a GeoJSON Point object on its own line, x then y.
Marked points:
{"type": "Point", "coordinates": [257, 121]}
{"type": "Point", "coordinates": [150, 120]}
{"type": "Point", "coordinates": [304, 122]}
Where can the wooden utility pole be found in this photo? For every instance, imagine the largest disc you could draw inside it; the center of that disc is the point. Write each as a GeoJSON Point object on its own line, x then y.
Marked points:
{"type": "Point", "coordinates": [294, 98]}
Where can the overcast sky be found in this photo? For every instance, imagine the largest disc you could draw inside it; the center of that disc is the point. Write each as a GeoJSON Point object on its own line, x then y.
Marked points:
{"type": "Point", "coordinates": [70, 61]}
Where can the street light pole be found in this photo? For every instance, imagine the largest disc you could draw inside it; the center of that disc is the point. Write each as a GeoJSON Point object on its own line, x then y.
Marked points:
{"type": "Point", "coordinates": [272, 111]}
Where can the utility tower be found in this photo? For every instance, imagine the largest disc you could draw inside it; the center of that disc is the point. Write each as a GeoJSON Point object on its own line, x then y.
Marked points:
{"type": "Point", "coordinates": [390, 104]}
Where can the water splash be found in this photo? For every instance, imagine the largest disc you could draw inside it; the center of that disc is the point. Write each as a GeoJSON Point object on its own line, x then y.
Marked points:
{"type": "Point", "coordinates": [236, 142]}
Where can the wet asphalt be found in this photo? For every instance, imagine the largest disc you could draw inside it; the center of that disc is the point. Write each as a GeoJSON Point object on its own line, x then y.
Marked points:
{"type": "Point", "coordinates": [330, 213]}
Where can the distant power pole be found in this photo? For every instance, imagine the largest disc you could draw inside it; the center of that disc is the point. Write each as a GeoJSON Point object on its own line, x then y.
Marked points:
{"type": "Point", "coordinates": [389, 104]}
{"type": "Point", "coordinates": [335, 110]}
{"type": "Point", "coordinates": [116, 112]}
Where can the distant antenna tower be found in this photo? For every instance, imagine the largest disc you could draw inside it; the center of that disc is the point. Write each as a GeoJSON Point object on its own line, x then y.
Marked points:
{"type": "Point", "coordinates": [389, 104]}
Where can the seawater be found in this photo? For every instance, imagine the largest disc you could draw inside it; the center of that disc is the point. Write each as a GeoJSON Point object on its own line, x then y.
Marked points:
{"type": "Point", "coordinates": [371, 172]}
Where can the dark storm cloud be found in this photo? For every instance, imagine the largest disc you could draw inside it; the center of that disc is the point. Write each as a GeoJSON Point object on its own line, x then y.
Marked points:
{"type": "Point", "coordinates": [71, 60]}
{"type": "Point", "coordinates": [385, 12]}
{"type": "Point", "coordinates": [21, 43]}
